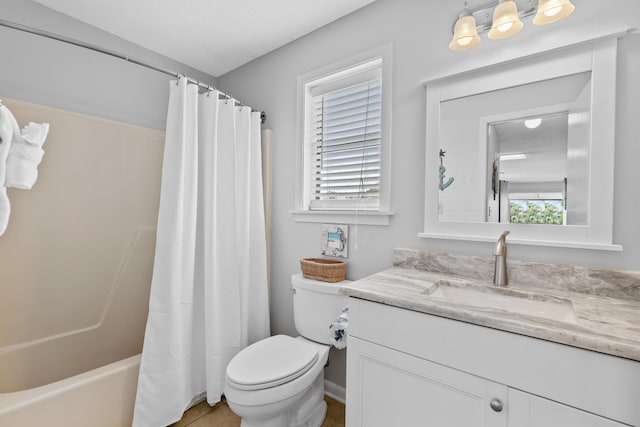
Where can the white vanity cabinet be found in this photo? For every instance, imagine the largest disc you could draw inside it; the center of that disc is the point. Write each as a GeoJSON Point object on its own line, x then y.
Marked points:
{"type": "Point", "coordinates": [527, 410]}
{"type": "Point", "coordinates": [406, 368]}
{"type": "Point", "coordinates": [391, 388]}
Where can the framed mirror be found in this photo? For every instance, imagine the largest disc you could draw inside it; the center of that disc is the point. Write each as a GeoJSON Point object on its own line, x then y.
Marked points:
{"type": "Point", "coordinates": [527, 146]}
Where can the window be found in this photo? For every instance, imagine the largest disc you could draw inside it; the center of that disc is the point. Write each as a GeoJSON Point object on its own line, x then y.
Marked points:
{"type": "Point", "coordinates": [345, 132]}
{"type": "Point", "coordinates": [345, 143]}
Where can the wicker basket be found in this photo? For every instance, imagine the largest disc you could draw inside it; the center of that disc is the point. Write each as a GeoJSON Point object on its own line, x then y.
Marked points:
{"type": "Point", "coordinates": [326, 270]}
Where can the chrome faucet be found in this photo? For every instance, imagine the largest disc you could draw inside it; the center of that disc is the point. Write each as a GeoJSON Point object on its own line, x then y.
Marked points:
{"type": "Point", "coordinates": [500, 277]}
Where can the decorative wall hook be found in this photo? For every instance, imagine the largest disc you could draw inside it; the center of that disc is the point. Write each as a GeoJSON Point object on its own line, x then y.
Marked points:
{"type": "Point", "coordinates": [441, 170]}
{"type": "Point", "coordinates": [495, 182]}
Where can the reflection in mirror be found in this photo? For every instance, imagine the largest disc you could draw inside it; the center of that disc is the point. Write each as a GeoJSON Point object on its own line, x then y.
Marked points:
{"type": "Point", "coordinates": [519, 154]}
{"type": "Point", "coordinates": [528, 162]}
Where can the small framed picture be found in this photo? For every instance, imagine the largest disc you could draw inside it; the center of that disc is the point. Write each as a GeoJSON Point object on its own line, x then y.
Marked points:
{"type": "Point", "coordinates": [334, 240]}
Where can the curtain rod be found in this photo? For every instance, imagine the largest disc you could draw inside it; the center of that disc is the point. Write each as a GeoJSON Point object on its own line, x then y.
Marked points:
{"type": "Point", "coordinates": [118, 55]}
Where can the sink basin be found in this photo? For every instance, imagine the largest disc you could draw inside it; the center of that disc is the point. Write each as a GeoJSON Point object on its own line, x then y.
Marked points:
{"type": "Point", "coordinates": [504, 299]}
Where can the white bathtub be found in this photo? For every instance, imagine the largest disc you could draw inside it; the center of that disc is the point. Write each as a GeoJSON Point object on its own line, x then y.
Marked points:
{"type": "Point", "coordinates": [102, 397]}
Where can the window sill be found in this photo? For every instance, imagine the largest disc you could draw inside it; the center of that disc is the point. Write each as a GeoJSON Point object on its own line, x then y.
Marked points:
{"type": "Point", "coordinates": [344, 217]}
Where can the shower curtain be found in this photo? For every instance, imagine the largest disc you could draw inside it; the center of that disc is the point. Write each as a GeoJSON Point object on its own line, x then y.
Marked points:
{"type": "Point", "coordinates": [209, 292]}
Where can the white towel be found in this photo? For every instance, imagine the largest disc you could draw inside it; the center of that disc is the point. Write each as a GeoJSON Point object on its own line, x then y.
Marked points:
{"type": "Point", "coordinates": [19, 158]}
{"type": "Point", "coordinates": [25, 156]}
{"type": "Point", "coordinates": [338, 330]}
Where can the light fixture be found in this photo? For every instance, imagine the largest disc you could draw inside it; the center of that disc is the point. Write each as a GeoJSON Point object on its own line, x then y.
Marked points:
{"type": "Point", "coordinates": [552, 10]}
{"type": "Point", "coordinates": [465, 34]}
{"type": "Point", "coordinates": [533, 123]}
{"type": "Point", "coordinates": [515, 156]}
{"type": "Point", "coordinates": [503, 18]}
{"type": "Point", "coordinates": [506, 21]}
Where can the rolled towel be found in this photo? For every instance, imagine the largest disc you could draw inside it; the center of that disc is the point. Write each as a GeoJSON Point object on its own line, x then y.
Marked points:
{"type": "Point", "coordinates": [17, 168]}
{"type": "Point", "coordinates": [35, 133]}
{"type": "Point", "coordinates": [25, 156]}
{"type": "Point", "coordinates": [338, 330]}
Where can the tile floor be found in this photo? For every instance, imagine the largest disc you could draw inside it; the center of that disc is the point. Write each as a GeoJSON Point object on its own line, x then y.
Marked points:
{"type": "Point", "coordinates": [203, 415]}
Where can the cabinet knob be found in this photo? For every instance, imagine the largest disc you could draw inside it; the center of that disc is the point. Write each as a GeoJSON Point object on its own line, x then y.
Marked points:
{"type": "Point", "coordinates": [496, 405]}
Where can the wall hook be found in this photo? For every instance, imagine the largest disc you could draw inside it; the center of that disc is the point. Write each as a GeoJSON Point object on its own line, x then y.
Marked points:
{"type": "Point", "coordinates": [441, 170]}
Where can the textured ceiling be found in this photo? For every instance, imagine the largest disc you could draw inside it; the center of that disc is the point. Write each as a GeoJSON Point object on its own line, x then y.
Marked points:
{"type": "Point", "coordinates": [214, 36]}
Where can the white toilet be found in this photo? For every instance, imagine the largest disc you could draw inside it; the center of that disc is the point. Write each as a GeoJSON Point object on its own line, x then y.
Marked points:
{"type": "Point", "coordinates": [279, 381]}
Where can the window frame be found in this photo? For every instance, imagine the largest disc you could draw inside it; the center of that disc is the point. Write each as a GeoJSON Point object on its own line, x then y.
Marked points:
{"type": "Point", "coordinates": [338, 75]}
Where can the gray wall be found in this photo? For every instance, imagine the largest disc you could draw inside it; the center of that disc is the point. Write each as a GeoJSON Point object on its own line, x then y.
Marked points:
{"type": "Point", "coordinates": [420, 31]}
{"type": "Point", "coordinates": [60, 75]}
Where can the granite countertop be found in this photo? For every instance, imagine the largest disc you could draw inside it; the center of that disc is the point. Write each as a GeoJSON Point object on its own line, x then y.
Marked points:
{"type": "Point", "coordinates": [607, 323]}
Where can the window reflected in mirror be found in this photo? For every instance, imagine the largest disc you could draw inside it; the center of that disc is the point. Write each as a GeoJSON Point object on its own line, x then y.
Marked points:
{"type": "Point", "coordinates": [529, 162]}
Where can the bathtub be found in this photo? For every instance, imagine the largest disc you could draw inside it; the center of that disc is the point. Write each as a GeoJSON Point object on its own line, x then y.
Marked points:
{"type": "Point", "coordinates": [102, 397]}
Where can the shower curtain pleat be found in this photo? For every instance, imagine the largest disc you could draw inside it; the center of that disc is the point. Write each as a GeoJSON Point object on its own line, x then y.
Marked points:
{"type": "Point", "coordinates": [258, 284]}
{"type": "Point", "coordinates": [266, 144]}
{"type": "Point", "coordinates": [208, 294]}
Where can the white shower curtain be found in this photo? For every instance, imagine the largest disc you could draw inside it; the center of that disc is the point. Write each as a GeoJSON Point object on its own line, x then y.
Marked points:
{"type": "Point", "coordinates": [209, 292]}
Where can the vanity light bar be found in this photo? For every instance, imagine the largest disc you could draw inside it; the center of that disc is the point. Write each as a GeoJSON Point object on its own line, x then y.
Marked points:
{"type": "Point", "coordinates": [503, 19]}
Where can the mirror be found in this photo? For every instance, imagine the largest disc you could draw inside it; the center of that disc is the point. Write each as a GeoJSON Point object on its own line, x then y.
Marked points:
{"type": "Point", "coordinates": [532, 144]}
{"type": "Point", "coordinates": [527, 146]}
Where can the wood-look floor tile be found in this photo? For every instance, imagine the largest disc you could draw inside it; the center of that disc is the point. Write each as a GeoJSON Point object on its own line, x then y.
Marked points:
{"type": "Point", "coordinates": [335, 410]}
{"type": "Point", "coordinates": [220, 415]}
{"type": "Point", "coordinates": [193, 414]}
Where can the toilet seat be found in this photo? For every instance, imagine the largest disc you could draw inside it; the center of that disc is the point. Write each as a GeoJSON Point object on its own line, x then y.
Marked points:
{"type": "Point", "coordinates": [271, 362]}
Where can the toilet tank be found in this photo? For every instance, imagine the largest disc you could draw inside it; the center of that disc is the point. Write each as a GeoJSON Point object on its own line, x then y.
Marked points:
{"type": "Point", "coordinates": [315, 305]}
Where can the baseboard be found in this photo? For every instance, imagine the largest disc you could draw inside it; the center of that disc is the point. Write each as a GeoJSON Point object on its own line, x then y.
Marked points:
{"type": "Point", "coordinates": [335, 391]}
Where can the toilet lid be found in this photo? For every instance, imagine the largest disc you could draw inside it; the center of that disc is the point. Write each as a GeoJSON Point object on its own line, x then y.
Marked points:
{"type": "Point", "coordinates": [273, 361]}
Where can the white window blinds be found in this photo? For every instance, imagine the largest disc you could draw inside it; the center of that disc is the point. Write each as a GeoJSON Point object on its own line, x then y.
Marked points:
{"type": "Point", "coordinates": [345, 135]}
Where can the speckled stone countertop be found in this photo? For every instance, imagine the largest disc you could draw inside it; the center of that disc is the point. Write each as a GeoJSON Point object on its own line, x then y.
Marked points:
{"type": "Point", "coordinates": [606, 303]}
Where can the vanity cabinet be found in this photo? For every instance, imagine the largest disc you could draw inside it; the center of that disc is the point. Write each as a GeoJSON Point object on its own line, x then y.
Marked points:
{"type": "Point", "coordinates": [406, 368]}
{"type": "Point", "coordinates": [397, 389]}
{"type": "Point", "coordinates": [527, 410]}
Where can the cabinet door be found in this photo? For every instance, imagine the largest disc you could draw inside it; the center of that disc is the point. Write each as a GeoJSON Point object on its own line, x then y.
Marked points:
{"type": "Point", "coordinates": [389, 388]}
{"type": "Point", "coordinates": [527, 410]}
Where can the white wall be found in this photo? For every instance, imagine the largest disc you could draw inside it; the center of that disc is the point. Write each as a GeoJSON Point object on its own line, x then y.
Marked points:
{"type": "Point", "coordinates": [420, 32]}
{"type": "Point", "coordinates": [68, 77]}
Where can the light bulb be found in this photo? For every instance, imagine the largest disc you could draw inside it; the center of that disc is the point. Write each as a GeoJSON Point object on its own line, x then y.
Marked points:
{"type": "Point", "coordinates": [506, 21]}
{"type": "Point", "coordinates": [465, 34]}
{"type": "Point", "coordinates": [553, 11]}
{"type": "Point", "coordinates": [505, 27]}
{"type": "Point", "coordinates": [464, 41]}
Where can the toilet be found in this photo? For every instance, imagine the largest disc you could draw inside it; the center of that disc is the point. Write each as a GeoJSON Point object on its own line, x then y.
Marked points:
{"type": "Point", "coordinates": [279, 381]}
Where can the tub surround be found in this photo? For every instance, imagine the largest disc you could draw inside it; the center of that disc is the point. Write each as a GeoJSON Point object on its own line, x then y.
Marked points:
{"type": "Point", "coordinates": [606, 302]}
